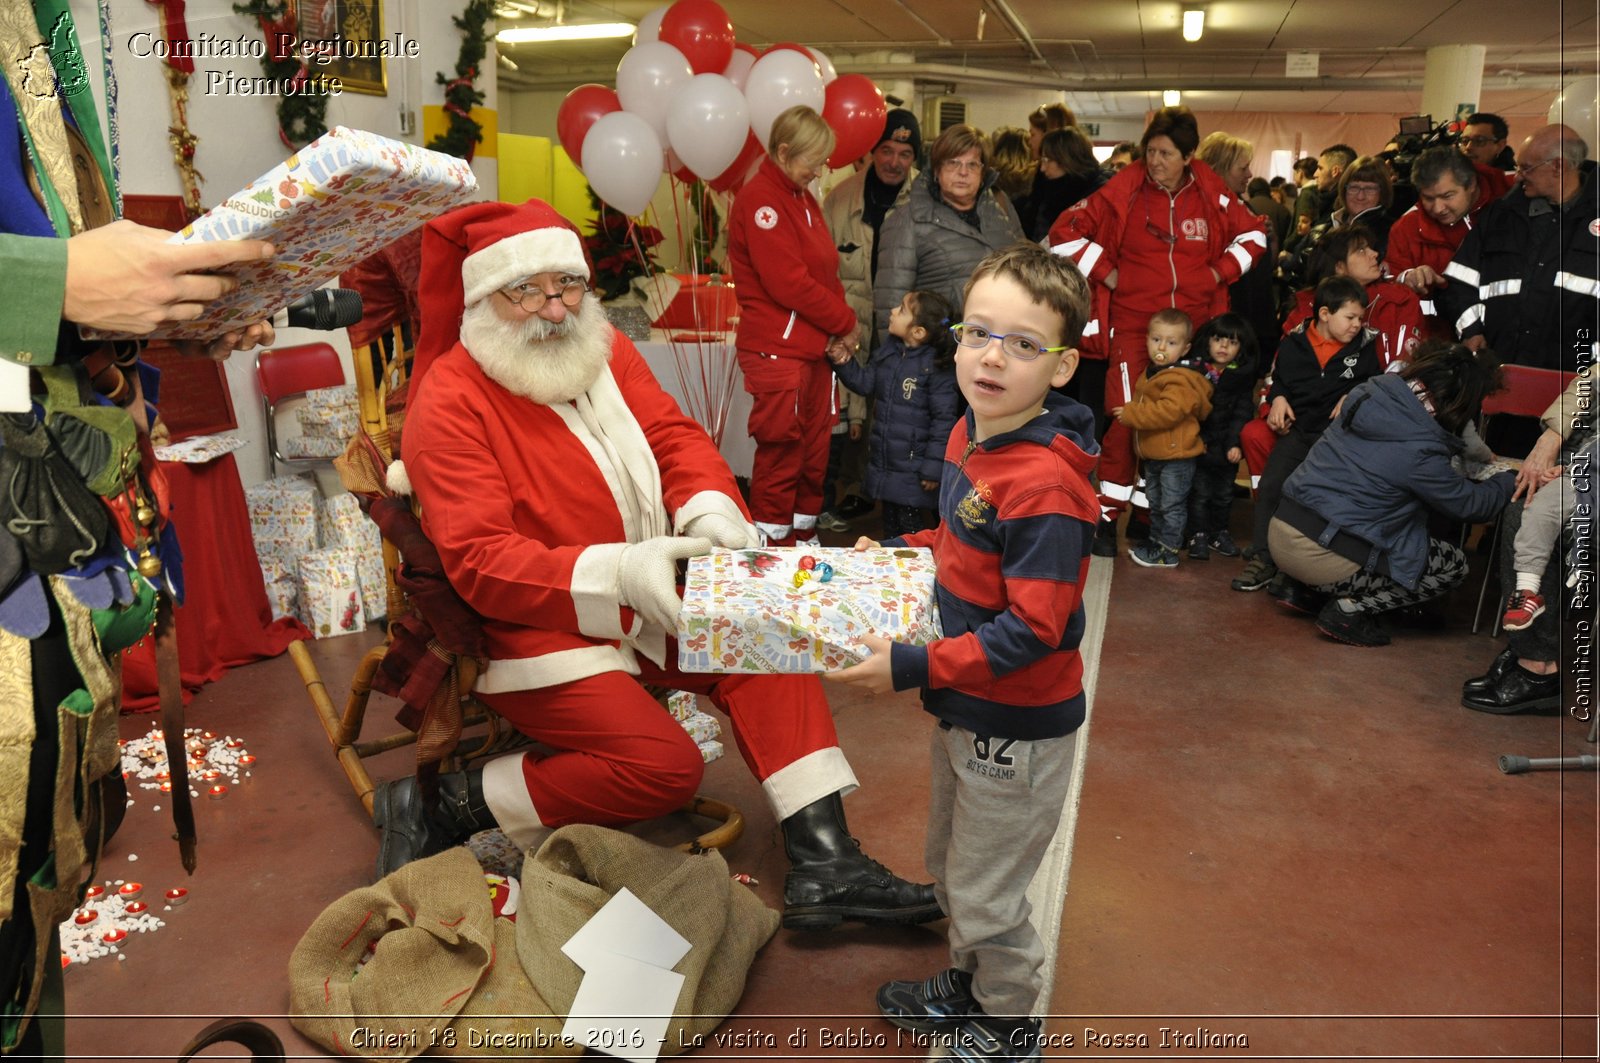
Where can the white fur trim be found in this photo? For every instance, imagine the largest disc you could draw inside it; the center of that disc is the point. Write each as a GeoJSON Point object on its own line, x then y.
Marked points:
{"type": "Point", "coordinates": [561, 666]}
{"type": "Point", "coordinates": [397, 478]}
{"type": "Point", "coordinates": [552, 250]}
{"type": "Point", "coordinates": [811, 778]}
{"type": "Point", "coordinates": [595, 592]}
{"type": "Point", "coordinates": [505, 791]}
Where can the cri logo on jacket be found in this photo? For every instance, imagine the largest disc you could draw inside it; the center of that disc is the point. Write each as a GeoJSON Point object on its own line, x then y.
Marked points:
{"type": "Point", "coordinates": [975, 507]}
{"type": "Point", "coordinates": [766, 217]}
{"type": "Point", "coordinates": [1195, 229]}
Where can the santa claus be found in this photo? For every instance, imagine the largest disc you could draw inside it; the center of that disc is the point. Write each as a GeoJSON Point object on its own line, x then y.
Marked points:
{"type": "Point", "coordinates": [561, 487]}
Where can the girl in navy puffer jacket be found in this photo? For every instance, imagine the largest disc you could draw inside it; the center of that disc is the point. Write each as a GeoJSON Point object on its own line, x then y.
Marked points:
{"type": "Point", "coordinates": [912, 377]}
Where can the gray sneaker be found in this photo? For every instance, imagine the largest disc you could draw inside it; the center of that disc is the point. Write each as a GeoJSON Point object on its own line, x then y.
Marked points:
{"type": "Point", "coordinates": [938, 1003]}
{"type": "Point", "coordinates": [1257, 574]}
{"type": "Point", "coordinates": [832, 522]}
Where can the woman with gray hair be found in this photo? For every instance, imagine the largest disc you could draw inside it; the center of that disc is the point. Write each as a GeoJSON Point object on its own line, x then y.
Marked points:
{"type": "Point", "coordinates": [951, 221]}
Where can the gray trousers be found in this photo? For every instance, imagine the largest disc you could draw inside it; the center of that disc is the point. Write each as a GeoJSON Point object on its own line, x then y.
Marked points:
{"type": "Point", "coordinates": [995, 806]}
{"type": "Point", "coordinates": [1542, 522]}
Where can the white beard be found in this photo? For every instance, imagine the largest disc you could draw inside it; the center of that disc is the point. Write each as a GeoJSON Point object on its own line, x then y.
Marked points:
{"type": "Point", "coordinates": [536, 359]}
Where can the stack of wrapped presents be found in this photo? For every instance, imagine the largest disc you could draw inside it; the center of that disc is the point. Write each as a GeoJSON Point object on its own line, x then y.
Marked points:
{"type": "Point", "coordinates": [321, 558]}
{"type": "Point", "coordinates": [328, 421]}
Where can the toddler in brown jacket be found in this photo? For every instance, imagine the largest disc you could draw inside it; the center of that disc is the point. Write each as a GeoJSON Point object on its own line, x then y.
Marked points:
{"type": "Point", "coordinates": [1169, 401]}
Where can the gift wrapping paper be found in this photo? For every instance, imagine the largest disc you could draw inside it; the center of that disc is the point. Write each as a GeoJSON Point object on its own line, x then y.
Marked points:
{"type": "Point", "coordinates": [749, 610]}
{"type": "Point", "coordinates": [334, 399]}
{"type": "Point", "coordinates": [283, 593]}
{"type": "Point", "coordinates": [313, 447]}
{"type": "Point", "coordinates": [338, 424]}
{"type": "Point", "coordinates": [710, 750]}
{"type": "Point", "coordinates": [344, 196]}
{"type": "Point", "coordinates": [702, 727]}
{"type": "Point", "coordinates": [330, 592]}
{"type": "Point", "coordinates": [374, 580]}
{"type": "Point", "coordinates": [283, 516]}
{"type": "Point", "coordinates": [682, 705]}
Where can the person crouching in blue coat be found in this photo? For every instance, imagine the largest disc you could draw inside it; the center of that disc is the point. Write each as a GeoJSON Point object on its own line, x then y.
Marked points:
{"type": "Point", "coordinates": [1353, 522]}
{"type": "Point", "coordinates": [912, 377]}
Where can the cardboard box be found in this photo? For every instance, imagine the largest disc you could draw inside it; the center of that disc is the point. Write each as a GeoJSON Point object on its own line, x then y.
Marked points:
{"type": "Point", "coordinates": [743, 611]}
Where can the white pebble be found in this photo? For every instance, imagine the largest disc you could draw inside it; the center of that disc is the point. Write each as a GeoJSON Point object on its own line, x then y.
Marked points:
{"type": "Point", "coordinates": [133, 856]}
{"type": "Point", "coordinates": [121, 957]}
{"type": "Point", "coordinates": [155, 808]}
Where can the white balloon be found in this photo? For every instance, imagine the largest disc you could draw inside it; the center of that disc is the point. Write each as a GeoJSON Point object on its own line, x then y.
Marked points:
{"type": "Point", "coordinates": [738, 68]}
{"type": "Point", "coordinates": [622, 158]}
{"type": "Point", "coordinates": [1578, 106]}
{"type": "Point", "coordinates": [649, 27]}
{"type": "Point", "coordinates": [824, 65]}
{"type": "Point", "coordinates": [778, 81]}
{"type": "Point", "coordinates": [707, 124]}
{"type": "Point", "coordinates": [648, 77]}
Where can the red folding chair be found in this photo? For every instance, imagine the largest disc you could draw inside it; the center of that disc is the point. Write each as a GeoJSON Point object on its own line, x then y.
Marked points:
{"type": "Point", "coordinates": [285, 373]}
{"type": "Point", "coordinates": [1528, 392]}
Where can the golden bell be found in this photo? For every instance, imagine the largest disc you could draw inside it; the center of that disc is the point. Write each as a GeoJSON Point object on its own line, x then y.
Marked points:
{"type": "Point", "coordinates": [145, 516]}
{"type": "Point", "coordinates": [149, 566]}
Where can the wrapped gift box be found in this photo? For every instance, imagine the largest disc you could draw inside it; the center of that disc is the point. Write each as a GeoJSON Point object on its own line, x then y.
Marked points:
{"type": "Point", "coordinates": [341, 198]}
{"type": "Point", "coordinates": [749, 610]}
{"type": "Point", "coordinates": [710, 751]}
{"type": "Point", "coordinates": [334, 399]}
{"type": "Point", "coordinates": [314, 447]}
{"type": "Point", "coordinates": [283, 516]}
{"type": "Point", "coordinates": [330, 592]}
{"type": "Point", "coordinates": [702, 727]}
{"type": "Point", "coordinates": [282, 591]}
{"type": "Point", "coordinates": [374, 580]}
{"type": "Point", "coordinates": [339, 423]}
{"type": "Point", "coordinates": [682, 705]}
{"type": "Point", "coordinates": [343, 524]}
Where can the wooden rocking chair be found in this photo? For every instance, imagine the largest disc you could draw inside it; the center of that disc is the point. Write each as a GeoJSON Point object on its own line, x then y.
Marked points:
{"type": "Point", "coordinates": [381, 373]}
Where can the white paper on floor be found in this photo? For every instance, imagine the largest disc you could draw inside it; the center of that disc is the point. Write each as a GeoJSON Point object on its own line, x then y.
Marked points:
{"type": "Point", "coordinates": [629, 991]}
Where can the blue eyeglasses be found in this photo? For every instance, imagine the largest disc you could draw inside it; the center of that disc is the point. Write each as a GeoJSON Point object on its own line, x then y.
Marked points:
{"type": "Point", "coordinates": [1015, 344]}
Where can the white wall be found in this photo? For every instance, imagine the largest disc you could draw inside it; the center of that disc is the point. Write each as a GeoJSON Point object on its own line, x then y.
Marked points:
{"type": "Point", "coordinates": [237, 133]}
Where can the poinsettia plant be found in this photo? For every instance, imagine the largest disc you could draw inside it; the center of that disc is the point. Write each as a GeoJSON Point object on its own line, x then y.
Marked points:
{"type": "Point", "coordinates": [619, 256]}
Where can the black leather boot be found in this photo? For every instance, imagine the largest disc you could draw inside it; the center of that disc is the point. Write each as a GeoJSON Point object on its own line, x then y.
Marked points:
{"type": "Point", "coordinates": [1482, 685]}
{"type": "Point", "coordinates": [411, 829]}
{"type": "Point", "coordinates": [830, 879]}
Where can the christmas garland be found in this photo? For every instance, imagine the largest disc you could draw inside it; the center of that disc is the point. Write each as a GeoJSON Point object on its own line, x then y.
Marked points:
{"type": "Point", "coordinates": [460, 95]}
{"type": "Point", "coordinates": [301, 114]}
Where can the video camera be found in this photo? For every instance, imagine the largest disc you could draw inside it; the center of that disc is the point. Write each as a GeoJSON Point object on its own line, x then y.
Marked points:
{"type": "Point", "coordinates": [1417, 134]}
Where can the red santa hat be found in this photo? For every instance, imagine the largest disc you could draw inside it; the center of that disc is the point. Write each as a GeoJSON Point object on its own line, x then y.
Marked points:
{"type": "Point", "coordinates": [474, 250]}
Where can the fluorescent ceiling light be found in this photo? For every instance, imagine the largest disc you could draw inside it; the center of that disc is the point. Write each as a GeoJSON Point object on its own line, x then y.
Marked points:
{"type": "Point", "coordinates": [1194, 23]}
{"type": "Point", "coordinates": [568, 31]}
{"type": "Point", "coordinates": [1171, 98]}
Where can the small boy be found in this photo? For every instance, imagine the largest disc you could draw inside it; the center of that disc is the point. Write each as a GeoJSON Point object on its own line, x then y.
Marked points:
{"type": "Point", "coordinates": [1168, 404]}
{"type": "Point", "coordinates": [1017, 520]}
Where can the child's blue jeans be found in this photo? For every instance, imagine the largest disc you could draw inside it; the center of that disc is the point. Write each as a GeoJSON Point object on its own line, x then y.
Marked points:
{"type": "Point", "coordinates": [1166, 485]}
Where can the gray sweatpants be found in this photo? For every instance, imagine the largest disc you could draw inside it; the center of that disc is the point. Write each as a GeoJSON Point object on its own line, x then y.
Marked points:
{"type": "Point", "coordinates": [1542, 521]}
{"type": "Point", "coordinates": [995, 806]}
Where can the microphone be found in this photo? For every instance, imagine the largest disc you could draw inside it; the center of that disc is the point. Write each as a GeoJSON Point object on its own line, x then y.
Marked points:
{"type": "Point", "coordinates": [324, 309]}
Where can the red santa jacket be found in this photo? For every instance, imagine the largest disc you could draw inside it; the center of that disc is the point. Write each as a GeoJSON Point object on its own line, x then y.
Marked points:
{"type": "Point", "coordinates": [1393, 311]}
{"type": "Point", "coordinates": [1417, 240]}
{"type": "Point", "coordinates": [785, 269]}
{"type": "Point", "coordinates": [1095, 233]}
{"type": "Point", "coordinates": [525, 521]}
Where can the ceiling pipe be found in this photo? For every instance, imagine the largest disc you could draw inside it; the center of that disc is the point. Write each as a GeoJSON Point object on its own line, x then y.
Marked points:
{"type": "Point", "coordinates": [1015, 23]}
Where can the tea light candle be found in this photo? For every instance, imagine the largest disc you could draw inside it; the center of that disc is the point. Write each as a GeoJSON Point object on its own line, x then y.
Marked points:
{"type": "Point", "coordinates": [211, 775]}
{"type": "Point", "coordinates": [177, 895]}
{"type": "Point", "coordinates": [208, 736]}
{"type": "Point", "coordinates": [114, 935]}
{"type": "Point", "coordinates": [163, 775]}
{"type": "Point", "coordinates": [85, 916]}
{"type": "Point", "coordinates": [246, 760]}
{"type": "Point", "coordinates": [130, 891]}
{"type": "Point", "coordinates": [136, 908]}
{"type": "Point", "coordinates": [166, 787]}
{"type": "Point", "coordinates": [217, 792]}
{"type": "Point", "coordinates": [235, 743]}
{"type": "Point", "coordinates": [94, 893]}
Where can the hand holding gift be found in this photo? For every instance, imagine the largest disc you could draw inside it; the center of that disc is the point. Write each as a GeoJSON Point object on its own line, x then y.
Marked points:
{"type": "Point", "coordinates": [872, 674]}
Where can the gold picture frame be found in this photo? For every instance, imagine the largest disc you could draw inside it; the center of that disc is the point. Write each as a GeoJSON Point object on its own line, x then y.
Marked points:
{"type": "Point", "coordinates": [356, 21]}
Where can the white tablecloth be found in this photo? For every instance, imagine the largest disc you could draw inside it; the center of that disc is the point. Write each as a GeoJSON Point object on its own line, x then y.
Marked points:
{"type": "Point", "coordinates": [737, 446]}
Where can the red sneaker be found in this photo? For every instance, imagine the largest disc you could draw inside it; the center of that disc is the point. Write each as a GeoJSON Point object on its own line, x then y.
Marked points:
{"type": "Point", "coordinates": [1523, 609]}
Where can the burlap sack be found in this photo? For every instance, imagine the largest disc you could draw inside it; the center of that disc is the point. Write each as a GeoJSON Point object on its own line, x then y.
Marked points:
{"type": "Point", "coordinates": [442, 978]}
{"type": "Point", "coordinates": [578, 869]}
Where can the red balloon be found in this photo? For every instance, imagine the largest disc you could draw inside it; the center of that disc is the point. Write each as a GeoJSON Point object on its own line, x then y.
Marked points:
{"type": "Point", "coordinates": [700, 29]}
{"type": "Point", "coordinates": [581, 108]}
{"type": "Point", "coordinates": [733, 178]}
{"type": "Point", "coordinates": [854, 108]}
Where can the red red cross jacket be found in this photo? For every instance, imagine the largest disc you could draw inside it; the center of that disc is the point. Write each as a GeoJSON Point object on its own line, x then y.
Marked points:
{"type": "Point", "coordinates": [1417, 240]}
{"type": "Point", "coordinates": [1094, 232]}
{"type": "Point", "coordinates": [785, 269]}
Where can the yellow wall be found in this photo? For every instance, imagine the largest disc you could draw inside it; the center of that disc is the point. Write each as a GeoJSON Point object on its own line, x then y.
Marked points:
{"type": "Point", "coordinates": [436, 123]}
{"type": "Point", "coordinates": [538, 167]}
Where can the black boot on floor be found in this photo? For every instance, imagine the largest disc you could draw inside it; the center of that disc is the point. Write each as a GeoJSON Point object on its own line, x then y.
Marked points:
{"type": "Point", "coordinates": [411, 829]}
{"type": "Point", "coordinates": [830, 879]}
{"type": "Point", "coordinates": [1105, 539]}
{"type": "Point", "coordinates": [1485, 683]}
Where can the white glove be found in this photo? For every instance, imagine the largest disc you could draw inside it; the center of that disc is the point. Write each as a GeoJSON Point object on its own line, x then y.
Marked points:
{"type": "Point", "coordinates": [723, 532]}
{"type": "Point", "coordinates": [647, 577]}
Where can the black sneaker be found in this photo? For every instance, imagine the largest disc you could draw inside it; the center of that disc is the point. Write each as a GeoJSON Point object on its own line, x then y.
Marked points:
{"type": "Point", "coordinates": [930, 1006]}
{"type": "Point", "coordinates": [989, 1039]}
{"type": "Point", "coordinates": [1152, 554]}
{"type": "Point", "coordinates": [1105, 539]}
{"type": "Point", "coordinates": [1200, 547]}
{"type": "Point", "coordinates": [1223, 544]}
{"type": "Point", "coordinates": [1295, 596]}
{"type": "Point", "coordinates": [1352, 629]}
{"type": "Point", "coordinates": [1257, 574]}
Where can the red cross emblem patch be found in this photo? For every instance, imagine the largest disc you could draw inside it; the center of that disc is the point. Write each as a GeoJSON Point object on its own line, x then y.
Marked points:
{"type": "Point", "coordinates": [766, 217]}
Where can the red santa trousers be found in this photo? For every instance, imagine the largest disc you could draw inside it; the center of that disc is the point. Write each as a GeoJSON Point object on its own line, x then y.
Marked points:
{"type": "Point", "coordinates": [792, 412]}
{"type": "Point", "coordinates": [618, 757]}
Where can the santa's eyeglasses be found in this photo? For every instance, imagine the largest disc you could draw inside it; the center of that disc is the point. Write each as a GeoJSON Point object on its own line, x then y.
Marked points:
{"type": "Point", "coordinates": [531, 296]}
